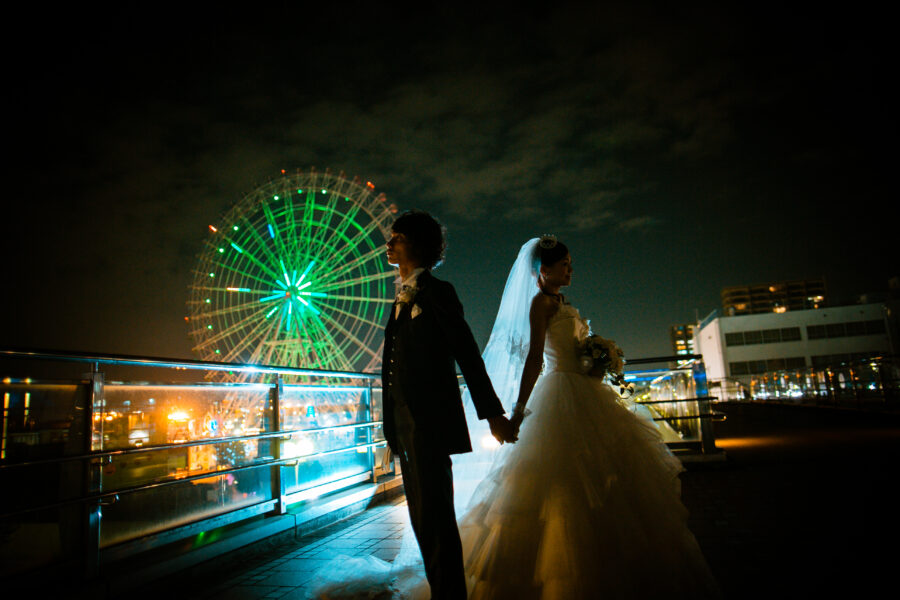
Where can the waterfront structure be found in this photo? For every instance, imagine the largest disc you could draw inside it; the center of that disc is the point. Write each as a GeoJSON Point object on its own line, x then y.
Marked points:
{"type": "Point", "coordinates": [742, 346]}
{"type": "Point", "coordinates": [682, 337]}
{"type": "Point", "coordinates": [777, 297]}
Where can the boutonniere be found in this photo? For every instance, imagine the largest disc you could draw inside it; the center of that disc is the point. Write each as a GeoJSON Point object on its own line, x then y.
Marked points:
{"type": "Point", "coordinates": [416, 311]}
{"type": "Point", "coordinates": [407, 293]}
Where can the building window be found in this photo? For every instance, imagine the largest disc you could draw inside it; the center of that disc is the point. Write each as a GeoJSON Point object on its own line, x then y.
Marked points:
{"type": "Point", "coordinates": [855, 328]}
{"type": "Point", "coordinates": [756, 366]}
{"type": "Point", "coordinates": [771, 336]}
{"type": "Point", "coordinates": [739, 368]}
{"type": "Point", "coordinates": [816, 332]}
{"type": "Point", "coordinates": [764, 336]}
{"type": "Point", "coordinates": [790, 334]}
{"type": "Point", "coordinates": [836, 330]}
{"type": "Point", "coordinates": [875, 327]}
{"type": "Point", "coordinates": [775, 364]}
{"type": "Point", "coordinates": [734, 339]}
{"type": "Point", "coordinates": [797, 362]}
{"type": "Point", "coordinates": [753, 337]}
{"type": "Point", "coordinates": [835, 360]}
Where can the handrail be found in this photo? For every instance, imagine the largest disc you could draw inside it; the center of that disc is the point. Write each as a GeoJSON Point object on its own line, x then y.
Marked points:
{"type": "Point", "coordinates": [188, 478]}
{"type": "Point", "coordinates": [657, 359]}
{"type": "Point", "coordinates": [674, 401]}
{"type": "Point", "coordinates": [284, 433]}
{"type": "Point", "coordinates": [150, 361]}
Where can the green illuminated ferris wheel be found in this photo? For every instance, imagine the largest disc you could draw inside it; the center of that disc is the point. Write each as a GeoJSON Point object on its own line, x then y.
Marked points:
{"type": "Point", "coordinates": [295, 275]}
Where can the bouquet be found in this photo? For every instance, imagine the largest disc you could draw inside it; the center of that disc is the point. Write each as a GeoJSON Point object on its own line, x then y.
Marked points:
{"type": "Point", "coordinates": [601, 357]}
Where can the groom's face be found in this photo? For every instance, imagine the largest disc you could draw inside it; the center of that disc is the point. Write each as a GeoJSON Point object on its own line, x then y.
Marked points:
{"type": "Point", "coordinates": [399, 250]}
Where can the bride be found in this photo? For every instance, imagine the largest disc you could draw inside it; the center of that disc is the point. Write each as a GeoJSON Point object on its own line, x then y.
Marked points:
{"type": "Point", "coordinates": [586, 504]}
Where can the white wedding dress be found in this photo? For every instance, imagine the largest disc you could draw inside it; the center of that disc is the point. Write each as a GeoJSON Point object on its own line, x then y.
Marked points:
{"type": "Point", "coordinates": [587, 503]}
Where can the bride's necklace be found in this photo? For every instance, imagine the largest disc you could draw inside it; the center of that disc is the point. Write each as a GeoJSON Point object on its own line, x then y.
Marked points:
{"type": "Point", "coordinates": [559, 297]}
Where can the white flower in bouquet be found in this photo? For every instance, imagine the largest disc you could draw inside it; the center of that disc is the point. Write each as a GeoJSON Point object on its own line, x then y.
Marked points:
{"type": "Point", "coordinates": [603, 358]}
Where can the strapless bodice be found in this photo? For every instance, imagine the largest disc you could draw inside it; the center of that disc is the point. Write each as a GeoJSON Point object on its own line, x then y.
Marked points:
{"type": "Point", "coordinates": [565, 331]}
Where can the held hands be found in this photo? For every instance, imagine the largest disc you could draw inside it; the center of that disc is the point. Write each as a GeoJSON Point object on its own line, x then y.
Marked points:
{"type": "Point", "coordinates": [516, 422]}
{"type": "Point", "coordinates": [503, 429]}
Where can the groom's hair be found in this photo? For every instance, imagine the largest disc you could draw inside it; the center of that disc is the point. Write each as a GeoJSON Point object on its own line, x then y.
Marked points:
{"type": "Point", "coordinates": [425, 235]}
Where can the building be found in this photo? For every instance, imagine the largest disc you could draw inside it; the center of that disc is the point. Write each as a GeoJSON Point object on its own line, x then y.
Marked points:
{"type": "Point", "coordinates": [778, 297]}
{"type": "Point", "coordinates": [682, 337]}
{"type": "Point", "coordinates": [739, 347]}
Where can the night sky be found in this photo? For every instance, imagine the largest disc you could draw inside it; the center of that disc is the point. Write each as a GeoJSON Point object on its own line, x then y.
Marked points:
{"type": "Point", "coordinates": [676, 151]}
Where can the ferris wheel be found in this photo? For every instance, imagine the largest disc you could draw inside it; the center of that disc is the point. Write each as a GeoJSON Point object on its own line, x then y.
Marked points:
{"type": "Point", "coordinates": [295, 275]}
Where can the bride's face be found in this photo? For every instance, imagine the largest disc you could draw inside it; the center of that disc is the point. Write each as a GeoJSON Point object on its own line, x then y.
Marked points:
{"type": "Point", "coordinates": [559, 273]}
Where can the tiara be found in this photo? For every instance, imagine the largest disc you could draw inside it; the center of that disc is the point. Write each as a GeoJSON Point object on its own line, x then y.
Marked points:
{"type": "Point", "coordinates": [547, 241]}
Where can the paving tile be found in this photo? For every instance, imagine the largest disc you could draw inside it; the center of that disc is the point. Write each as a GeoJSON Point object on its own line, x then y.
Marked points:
{"type": "Point", "coordinates": [242, 592]}
{"type": "Point", "coordinates": [297, 593]}
{"type": "Point", "coordinates": [388, 554]}
{"type": "Point", "coordinates": [387, 543]}
{"type": "Point", "coordinates": [287, 578]}
{"type": "Point", "coordinates": [344, 543]}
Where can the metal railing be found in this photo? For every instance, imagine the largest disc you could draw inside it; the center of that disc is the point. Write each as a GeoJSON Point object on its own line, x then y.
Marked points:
{"type": "Point", "coordinates": [101, 469]}
{"type": "Point", "coordinates": [677, 398]}
{"type": "Point", "coordinates": [96, 469]}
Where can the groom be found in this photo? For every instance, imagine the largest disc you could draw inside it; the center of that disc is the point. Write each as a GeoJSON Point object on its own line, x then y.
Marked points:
{"type": "Point", "coordinates": [424, 421]}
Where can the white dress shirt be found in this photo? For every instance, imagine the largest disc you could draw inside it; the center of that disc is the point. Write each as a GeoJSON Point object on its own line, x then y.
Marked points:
{"type": "Point", "coordinates": [410, 281]}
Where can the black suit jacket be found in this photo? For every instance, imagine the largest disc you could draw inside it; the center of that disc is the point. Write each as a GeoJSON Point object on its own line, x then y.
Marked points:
{"type": "Point", "coordinates": [418, 367]}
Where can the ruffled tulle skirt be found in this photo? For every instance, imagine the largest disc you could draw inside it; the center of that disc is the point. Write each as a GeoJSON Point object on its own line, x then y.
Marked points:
{"type": "Point", "coordinates": [585, 505]}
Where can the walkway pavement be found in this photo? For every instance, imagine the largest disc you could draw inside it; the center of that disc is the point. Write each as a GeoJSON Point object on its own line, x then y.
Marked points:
{"type": "Point", "coordinates": [799, 508]}
{"type": "Point", "coordinates": [283, 569]}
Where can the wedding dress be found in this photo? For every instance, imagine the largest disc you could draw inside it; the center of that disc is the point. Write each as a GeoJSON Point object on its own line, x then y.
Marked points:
{"type": "Point", "coordinates": [586, 504]}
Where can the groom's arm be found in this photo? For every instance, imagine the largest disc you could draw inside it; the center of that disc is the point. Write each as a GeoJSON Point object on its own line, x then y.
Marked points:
{"type": "Point", "coordinates": [449, 313]}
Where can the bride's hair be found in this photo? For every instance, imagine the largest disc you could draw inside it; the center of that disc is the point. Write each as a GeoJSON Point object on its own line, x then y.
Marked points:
{"type": "Point", "coordinates": [548, 251]}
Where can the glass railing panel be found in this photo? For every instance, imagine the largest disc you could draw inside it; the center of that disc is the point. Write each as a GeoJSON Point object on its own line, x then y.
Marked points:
{"type": "Point", "coordinates": [334, 438]}
{"type": "Point", "coordinates": [149, 511]}
{"type": "Point", "coordinates": [189, 417]}
{"type": "Point", "coordinates": [41, 422]}
{"type": "Point", "coordinates": [667, 397]}
{"type": "Point", "coordinates": [135, 415]}
{"type": "Point", "coordinates": [148, 416]}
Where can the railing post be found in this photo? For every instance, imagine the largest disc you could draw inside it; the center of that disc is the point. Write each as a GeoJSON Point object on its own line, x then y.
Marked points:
{"type": "Point", "coordinates": [275, 393]}
{"type": "Point", "coordinates": [370, 437]}
{"type": "Point", "coordinates": [701, 392]}
{"type": "Point", "coordinates": [93, 476]}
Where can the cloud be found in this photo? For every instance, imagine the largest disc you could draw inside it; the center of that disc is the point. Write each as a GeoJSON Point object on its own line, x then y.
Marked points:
{"type": "Point", "coordinates": [642, 223]}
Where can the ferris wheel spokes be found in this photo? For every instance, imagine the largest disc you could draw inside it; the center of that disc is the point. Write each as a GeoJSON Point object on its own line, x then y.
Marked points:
{"type": "Point", "coordinates": [294, 275]}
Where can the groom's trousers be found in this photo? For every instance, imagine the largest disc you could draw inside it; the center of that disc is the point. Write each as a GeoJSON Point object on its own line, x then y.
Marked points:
{"type": "Point", "coordinates": [428, 483]}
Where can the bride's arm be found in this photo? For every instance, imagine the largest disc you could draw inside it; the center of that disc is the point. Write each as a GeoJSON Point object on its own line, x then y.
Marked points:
{"type": "Point", "coordinates": [542, 308]}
